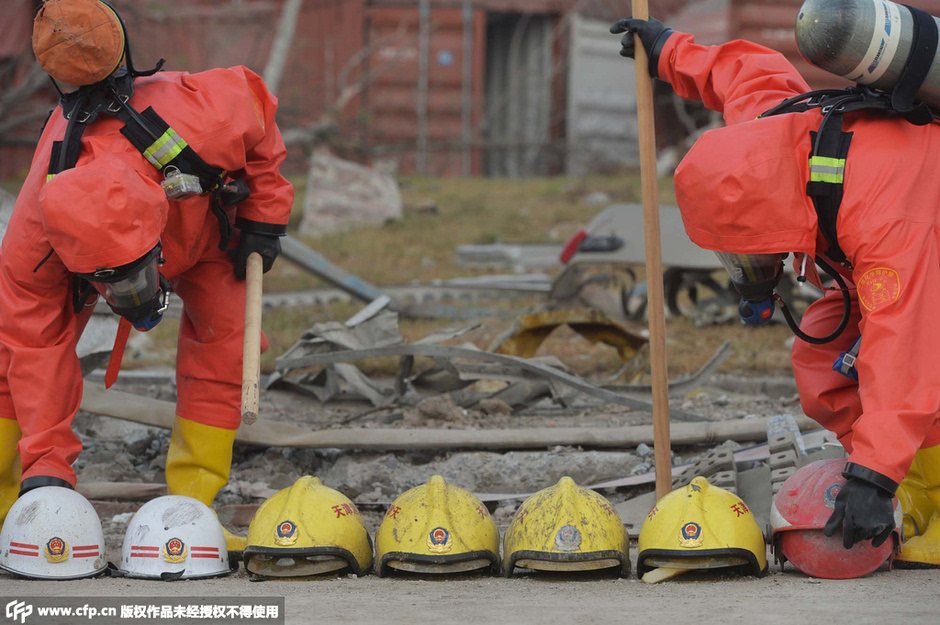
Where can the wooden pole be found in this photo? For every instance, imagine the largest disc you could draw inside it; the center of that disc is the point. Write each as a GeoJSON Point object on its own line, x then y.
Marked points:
{"type": "Point", "coordinates": [251, 356]}
{"type": "Point", "coordinates": [654, 263]}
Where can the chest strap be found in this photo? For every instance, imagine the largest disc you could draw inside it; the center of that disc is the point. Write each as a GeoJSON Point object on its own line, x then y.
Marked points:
{"type": "Point", "coordinates": [164, 148]}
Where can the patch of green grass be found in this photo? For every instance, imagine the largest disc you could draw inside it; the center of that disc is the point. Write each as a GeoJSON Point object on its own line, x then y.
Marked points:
{"type": "Point", "coordinates": [421, 246]}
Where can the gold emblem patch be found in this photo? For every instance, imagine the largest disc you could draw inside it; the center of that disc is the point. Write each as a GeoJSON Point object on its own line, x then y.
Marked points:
{"type": "Point", "coordinates": [174, 551]}
{"type": "Point", "coordinates": [57, 550]}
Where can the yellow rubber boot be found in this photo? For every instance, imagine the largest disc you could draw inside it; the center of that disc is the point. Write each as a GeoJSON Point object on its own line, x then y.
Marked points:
{"type": "Point", "coordinates": [198, 464]}
{"type": "Point", "coordinates": [924, 550]}
{"type": "Point", "coordinates": [9, 465]}
{"type": "Point", "coordinates": [915, 504]}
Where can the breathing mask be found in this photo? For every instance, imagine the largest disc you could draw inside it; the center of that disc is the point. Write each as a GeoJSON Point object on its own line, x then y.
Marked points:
{"type": "Point", "coordinates": [135, 291]}
{"type": "Point", "coordinates": [754, 276]}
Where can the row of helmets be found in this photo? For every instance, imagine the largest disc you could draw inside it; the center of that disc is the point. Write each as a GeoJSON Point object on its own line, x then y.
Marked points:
{"type": "Point", "coordinates": [310, 529]}
{"type": "Point", "coordinates": [438, 527]}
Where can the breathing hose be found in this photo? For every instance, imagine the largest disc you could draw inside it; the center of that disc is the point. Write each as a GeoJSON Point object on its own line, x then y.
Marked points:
{"type": "Point", "coordinates": [846, 310]}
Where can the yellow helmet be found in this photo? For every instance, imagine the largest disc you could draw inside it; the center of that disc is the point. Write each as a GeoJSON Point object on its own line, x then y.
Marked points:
{"type": "Point", "coordinates": [307, 529]}
{"type": "Point", "coordinates": [437, 528]}
{"type": "Point", "coordinates": [699, 526]}
{"type": "Point", "coordinates": [566, 528]}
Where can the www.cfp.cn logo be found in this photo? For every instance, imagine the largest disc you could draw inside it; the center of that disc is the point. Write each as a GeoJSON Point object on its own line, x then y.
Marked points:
{"type": "Point", "coordinates": [19, 610]}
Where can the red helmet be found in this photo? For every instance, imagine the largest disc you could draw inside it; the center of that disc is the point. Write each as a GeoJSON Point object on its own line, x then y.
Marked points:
{"type": "Point", "coordinates": [799, 514]}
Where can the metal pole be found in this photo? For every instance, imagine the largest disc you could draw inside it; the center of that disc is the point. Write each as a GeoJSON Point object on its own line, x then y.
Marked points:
{"type": "Point", "coordinates": [467, 103]}
{"type": "Point", "coordinates": [424, 36]}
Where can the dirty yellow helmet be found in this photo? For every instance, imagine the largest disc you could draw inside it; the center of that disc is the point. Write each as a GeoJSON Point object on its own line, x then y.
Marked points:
{"type": "Point", "coordinates": [307, 529]}
{"type": "Point", "coordinates": [437, 528]}
{"type": "Point", "coordinates": [699, 526]}
{"type": "Point", "coordinates": [566, 528]}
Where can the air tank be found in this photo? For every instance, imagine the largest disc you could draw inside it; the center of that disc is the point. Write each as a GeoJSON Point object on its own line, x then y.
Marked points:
{"type": "Point", "coordinates": [865, 41]}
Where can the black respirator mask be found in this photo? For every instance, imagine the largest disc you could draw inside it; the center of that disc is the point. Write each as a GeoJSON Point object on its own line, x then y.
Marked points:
{"type": "Point", "coordinates": [135, 291]}
{"type": "Point", "coordinates": [755, 276]}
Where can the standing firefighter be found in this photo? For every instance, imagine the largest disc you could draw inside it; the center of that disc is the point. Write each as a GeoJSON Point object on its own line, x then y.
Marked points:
{"type": "Point", "coordinates": [144, 182]}
{"type": "Point", "coordinates": [847, 178]}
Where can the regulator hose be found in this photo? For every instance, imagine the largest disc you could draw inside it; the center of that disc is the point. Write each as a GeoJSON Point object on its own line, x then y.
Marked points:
{"type": "Point", "coordinates": [846, 310]}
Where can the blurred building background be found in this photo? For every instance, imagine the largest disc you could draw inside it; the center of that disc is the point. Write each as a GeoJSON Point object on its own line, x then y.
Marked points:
{"type": "Point", "coordinates": [510, 88]}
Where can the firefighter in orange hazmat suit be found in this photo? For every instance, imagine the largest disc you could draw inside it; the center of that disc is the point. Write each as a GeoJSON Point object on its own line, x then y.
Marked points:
{"type": "Point", "coordinates": [134, 189]}
{"type": "Point", "coordinates": [743, 190]}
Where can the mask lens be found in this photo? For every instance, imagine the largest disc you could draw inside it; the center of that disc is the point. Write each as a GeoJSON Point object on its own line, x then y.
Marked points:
{"type": "Point", "coordinates": [751, 268]}
{"type": "Point", "coordinates": [135, 289]}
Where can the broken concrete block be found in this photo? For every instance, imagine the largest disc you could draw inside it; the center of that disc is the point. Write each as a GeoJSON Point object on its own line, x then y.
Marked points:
{"type": "Point", "coordinates": [495, 406]}
{"type": "Point", "coordinates": [342, 194]}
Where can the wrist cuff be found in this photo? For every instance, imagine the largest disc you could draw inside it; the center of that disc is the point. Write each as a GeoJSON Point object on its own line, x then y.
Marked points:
{"type": "Point", "coordinates": [658, 46]}
{"type": "Point", "coordinates": [40, 481]}
{"type": "Point", "coordinates": [260, 227]}
{"type": "Point", "coordinates": [872, 477]}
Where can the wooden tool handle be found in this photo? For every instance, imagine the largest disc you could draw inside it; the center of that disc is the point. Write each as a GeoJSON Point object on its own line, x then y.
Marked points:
{"type": "Point", "coordinates": [654, 263]}
{"type": "Point", "coordinates": [251, 357]}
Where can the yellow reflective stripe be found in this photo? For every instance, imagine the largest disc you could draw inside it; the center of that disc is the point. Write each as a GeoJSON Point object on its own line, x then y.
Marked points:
{"type": "Point", "coordinates": [826, 161]}
{"type": "Point", "coordinates": [830, 178]}
{"type": "Point", "coordinates": [165, 149]}
{"type": "Point", "coordinates": [49, 177]}
{"type": "Point", "coordinates": [826, 169]}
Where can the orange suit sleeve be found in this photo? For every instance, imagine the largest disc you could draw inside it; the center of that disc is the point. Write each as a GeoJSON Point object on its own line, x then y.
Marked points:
{"type": "Point", "coordinates": [739, 79]}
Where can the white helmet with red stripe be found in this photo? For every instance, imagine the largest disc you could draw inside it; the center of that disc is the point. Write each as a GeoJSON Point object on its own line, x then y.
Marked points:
{"type": "Point", "coordinates": [172, 538]}
{"type": "Point", "coordinates": [52, 533]}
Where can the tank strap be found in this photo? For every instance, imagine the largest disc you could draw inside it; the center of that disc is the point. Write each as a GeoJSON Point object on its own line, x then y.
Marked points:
{"type": "Point", "coordinates": [163, 147]}
{"type": "Point", "coordinates": [827, 180]}
{"type": "Point", "coordinates": [923, 50]}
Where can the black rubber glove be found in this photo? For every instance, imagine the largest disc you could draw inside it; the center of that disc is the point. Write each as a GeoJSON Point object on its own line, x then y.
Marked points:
{"type": "Point", "coordinates": [269, 246]}
{"type": "Point", "coordinates": [863, 511]}
{"type": "Point", "coordinates": [653, 34]}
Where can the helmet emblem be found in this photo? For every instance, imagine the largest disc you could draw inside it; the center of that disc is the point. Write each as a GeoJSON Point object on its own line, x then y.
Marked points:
{"type": "Point", "coordinates": [439, 540]}
{"type": "Point", "coordinates": [691, 535]}
{"type": "Point", "coordinates": [829, 499]}
{"type": "Point", "coordinates": [568, 538]}
{"type": "Point", "coordinates": [57, 550]}
{"type": "Point", "coordinates": [286, 534]}
{"type": "Point", "coordinates": [174, 551]}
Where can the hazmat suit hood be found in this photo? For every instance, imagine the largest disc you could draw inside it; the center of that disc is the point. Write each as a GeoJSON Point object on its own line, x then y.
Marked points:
{"type": "Point", "coordinates": [742, 189]}
{"type": "Point", "coordinates": [102, 214]}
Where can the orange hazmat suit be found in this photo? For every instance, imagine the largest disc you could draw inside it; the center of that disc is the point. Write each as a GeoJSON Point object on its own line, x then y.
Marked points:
{"type": "Point", "coordinates": [742, 189]}
{"type": "Point", "coordinates": [227, 116]}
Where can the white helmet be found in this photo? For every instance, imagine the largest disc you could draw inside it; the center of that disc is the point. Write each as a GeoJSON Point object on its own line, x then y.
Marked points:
{"type": "Point", "coordinates": [52, 533]}
{"type": "Point", "coordinates": [174, 537]}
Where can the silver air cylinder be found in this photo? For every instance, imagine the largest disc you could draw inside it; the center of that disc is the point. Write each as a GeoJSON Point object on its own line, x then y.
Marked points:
{"type": "Point", "coordinates": [865, 41]}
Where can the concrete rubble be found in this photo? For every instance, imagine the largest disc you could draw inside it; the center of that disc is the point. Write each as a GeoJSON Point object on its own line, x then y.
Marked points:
{"type": "Point", "coordinates": [342, 194]}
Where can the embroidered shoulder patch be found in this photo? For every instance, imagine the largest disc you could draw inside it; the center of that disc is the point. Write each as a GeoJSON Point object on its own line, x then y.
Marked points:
{"type": "Point", "coordinates": [879, 287]}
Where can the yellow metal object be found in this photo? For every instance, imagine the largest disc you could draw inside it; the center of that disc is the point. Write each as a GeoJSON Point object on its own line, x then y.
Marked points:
{"type": "Point", "coordinates": [198, 464]}
{"type": "Point", "coordinates": [915, 504]}
{"type": "Point", "coordinates": [701, 526]}
{"type": "Point", "coordinates": [566, 528]}
{"type": "Point", "coordinates": [307, 529]}
{"type": "Point", "coordinates": [9, 465]}
{"type": "Point", "coordinates": [529, 331]}
{"type": "Point", "coordinates": [924, 550]}
{"type": "Point", "coordinates": [437, 528]}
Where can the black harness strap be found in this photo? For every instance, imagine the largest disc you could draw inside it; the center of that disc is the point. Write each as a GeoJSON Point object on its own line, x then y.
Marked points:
{"type": "Point", "coordinates": [144, 129]}
{"type": "Point", "coordinates": [923, 50]}
{"type": "Point", "coordinates": [827, 196]}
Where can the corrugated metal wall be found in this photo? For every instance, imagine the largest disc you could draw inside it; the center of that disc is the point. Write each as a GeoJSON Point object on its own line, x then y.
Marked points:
{"type": "Point", "coordinates": [424, 100]}
{"type": "Point", "coordinates": [519, 106]}
{"type": "Point", "coordinates": [602, 124]}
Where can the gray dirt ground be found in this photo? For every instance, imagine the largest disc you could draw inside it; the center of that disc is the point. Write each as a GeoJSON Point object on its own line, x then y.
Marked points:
{"type": "Point", "coordinates": [788, 598]}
